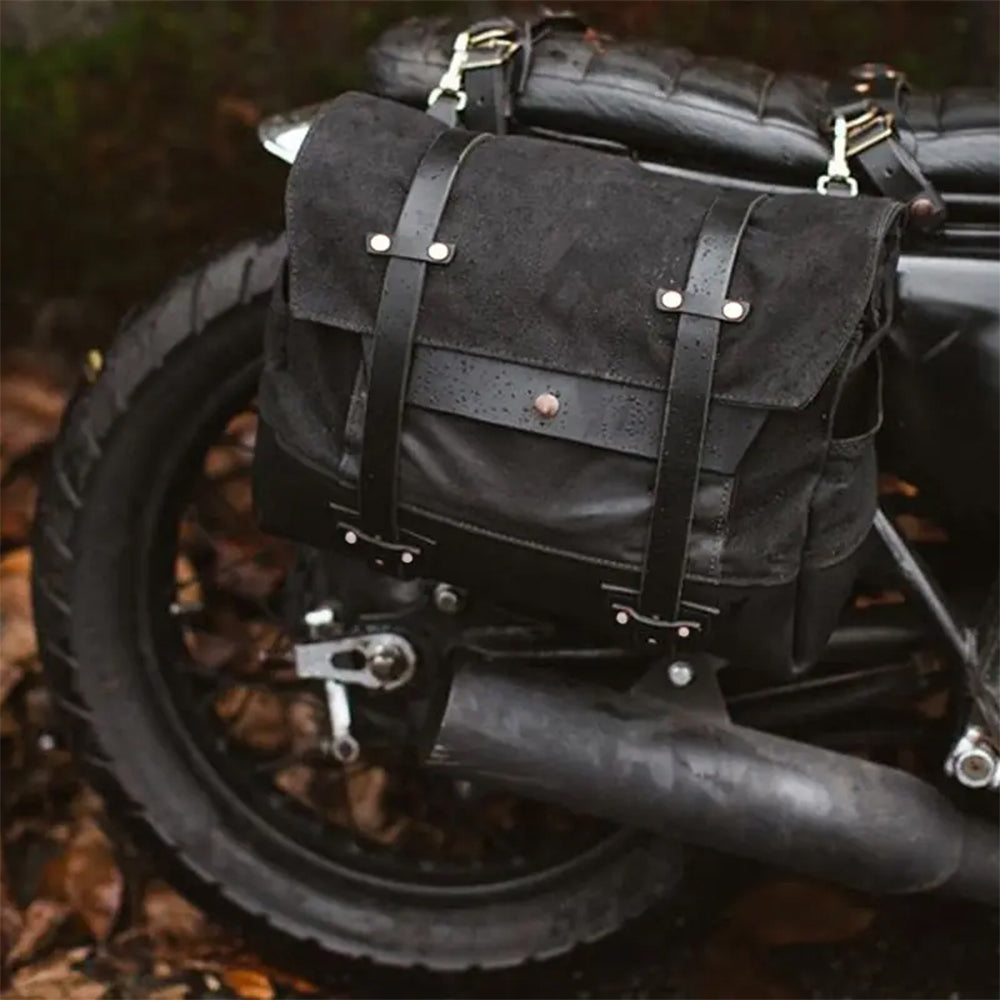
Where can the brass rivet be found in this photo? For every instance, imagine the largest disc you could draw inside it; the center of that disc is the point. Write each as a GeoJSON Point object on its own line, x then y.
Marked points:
{"type": "Point", "coordinates": [547, 405]}
{"type": "Point", "coordinates": [671, 300]}
{"type": "Point", "coordinates": [438, 251]}
{"type": "Point", "coordinates": [379, 242]}
{"type": "Point", "coordinates": [733, 310]}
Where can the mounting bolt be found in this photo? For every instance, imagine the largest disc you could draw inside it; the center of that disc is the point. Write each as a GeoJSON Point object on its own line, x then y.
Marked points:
{"type": "Point", "coordinates": [447, 599]}
{"type": "Point", "coordinates": [680, 673]}
{"type": "Point", "coordinates": [346, 749]}
{"type": "Point", "coordinates": [386, 663]}
{"type": "Point", "coordinates": [975, 768]}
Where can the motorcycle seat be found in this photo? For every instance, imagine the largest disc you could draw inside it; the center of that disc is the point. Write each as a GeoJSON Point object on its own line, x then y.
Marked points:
{"type": "Point", "coordinates": [719, 115]}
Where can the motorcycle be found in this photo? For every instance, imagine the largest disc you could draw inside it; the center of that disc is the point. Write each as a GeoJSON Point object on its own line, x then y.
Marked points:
{"type": "Point", "coordinates": [261, 719]}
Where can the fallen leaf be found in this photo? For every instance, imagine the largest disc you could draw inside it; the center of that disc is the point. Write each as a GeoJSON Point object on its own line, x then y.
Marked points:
{"type": "Point", "coordinates": [890, 485]}
{"type": "Point", "coordinates": [175, 991]}
{"type": "Point", "coordinates": [87, 877]}
{"type": "Point", "coordinates": [881, 599]}
{"type": "Point", "coordinates": [31, 406]}
{"type": "Point", "coordinates": [11, 922]}
{"type": "Point", "coordinates": [256, 718]}
{"type": "Point", "coordinates": [169, 916]}
{"type": "Point", "coordinates": [249, 984]}
{"type": "Point", "coordinates": [920, 529]}
{"type": "Point", "coordinates": [17, 508]}
{"type": "Point", "coordinates": [793, 912]}
{"type": "Point", "coordinates": [42, 919]}
{"type": "Point", "coordinates": [17, 637]}
{"type": "Point", "coordinates": [55, 979]}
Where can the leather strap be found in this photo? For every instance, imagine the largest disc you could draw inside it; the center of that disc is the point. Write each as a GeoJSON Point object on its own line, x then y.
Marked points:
{"type": "Point", "coordinates": [685, 413]}
{"type": "Point", "coordinates": [488, 96]}
{"type": "Point", "coordinates": [395, 322]}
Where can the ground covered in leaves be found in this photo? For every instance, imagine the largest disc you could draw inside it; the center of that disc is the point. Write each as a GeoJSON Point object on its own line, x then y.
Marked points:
{"type": "Point", "coordinates": [84, 918]}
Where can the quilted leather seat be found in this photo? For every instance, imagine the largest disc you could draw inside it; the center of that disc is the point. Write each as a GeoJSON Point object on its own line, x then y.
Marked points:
{"type": "Point", "coordinates": [715, 114]}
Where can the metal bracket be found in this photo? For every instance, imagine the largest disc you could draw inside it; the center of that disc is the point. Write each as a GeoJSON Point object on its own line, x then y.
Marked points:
{"type": "Point", "coordinates": [388, 661]}
{"type": "Point", "coordinates": [691, 684]}
{"type": "Point", "coordinates": [386, 556]}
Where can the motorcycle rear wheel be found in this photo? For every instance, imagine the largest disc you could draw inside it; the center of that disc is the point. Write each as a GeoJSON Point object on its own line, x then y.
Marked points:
{"type": "Point", "coordinates": [129, 446]}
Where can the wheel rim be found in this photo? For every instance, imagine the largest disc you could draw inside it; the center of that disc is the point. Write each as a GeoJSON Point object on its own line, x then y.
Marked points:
{"type": "Point", "coordinates": [407, 833]}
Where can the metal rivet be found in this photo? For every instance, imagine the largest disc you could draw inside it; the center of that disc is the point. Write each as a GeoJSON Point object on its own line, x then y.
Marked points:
{"type": "Point", "coordinates": [684, 631]}
{"type": "Point", "coordinates": [921, 206]}
{"type": "Point", "coordinates": [379, 243]}
{"type": "Point", "coordinates": [350, 537]}
{"type": "Point", "coordinates": [862, 88]}
{"type": "Point", "coordinates": [622, 618]}
{"type": "Point", "coordinates": [733, 310]}
{"type": "Point", "coordinates": [547, 405]}
{"type": "Point", "coordinates": [680, 674]}
{"type": "Point", "coordinates": [406, 557]}
{"type": "Point", "coordinates": [671, 300]}
{"type": "Point", "coordinates": [438, 251]}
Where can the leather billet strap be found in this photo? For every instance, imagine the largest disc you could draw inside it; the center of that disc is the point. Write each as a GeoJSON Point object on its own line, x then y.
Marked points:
{"type": "Point", "coordinates": [395, 322]}
{"type": "Point", "coordinates": [685, 417]}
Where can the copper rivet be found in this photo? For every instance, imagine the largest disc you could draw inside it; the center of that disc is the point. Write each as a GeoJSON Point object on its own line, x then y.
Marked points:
{"type": "Point", "coordinates": [379, 243]}
{"type": "Point", "coordinates": [733, 310]}
{"type": "Point", "coordinates": [622, 618]}
{"type": "Point", "coordinates": [671, 300]}
{"type": "Point", "coordinates": [547, 405]}
{"type": "Point", "coordinates": [921, 206]}
{"type": "Point", "coordinates": [406, 557]}
{"type": "Point", "coordinates": [438, 251]}
{"type": "Point", "coordinates": [350, 538]}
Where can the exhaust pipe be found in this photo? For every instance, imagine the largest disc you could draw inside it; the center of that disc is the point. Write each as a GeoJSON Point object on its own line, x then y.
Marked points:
{"type": "Point", "coordinates": [637, 761]}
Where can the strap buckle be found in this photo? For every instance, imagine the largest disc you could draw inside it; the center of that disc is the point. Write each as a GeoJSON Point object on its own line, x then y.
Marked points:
{"type": "Point", "coordinates": [837, 180]}
{"type": "Point", "coordinates": [868, 129]}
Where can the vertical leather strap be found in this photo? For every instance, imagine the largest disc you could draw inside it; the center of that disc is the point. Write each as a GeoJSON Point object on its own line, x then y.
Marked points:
{"type": "Point", "coordinates": [395, 322]}
{"type": "Point", "coordinates": [686, 407]}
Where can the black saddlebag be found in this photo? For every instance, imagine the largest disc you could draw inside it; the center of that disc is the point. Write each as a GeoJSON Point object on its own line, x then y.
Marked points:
{"type": "Point", "coordinates": [597, 394]}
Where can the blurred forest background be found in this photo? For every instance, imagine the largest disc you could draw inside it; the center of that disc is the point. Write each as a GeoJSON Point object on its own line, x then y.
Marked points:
{"type": "Point", "coordinates": [128, 128]}
{"type": "Point", "coordinates": [129, 149]}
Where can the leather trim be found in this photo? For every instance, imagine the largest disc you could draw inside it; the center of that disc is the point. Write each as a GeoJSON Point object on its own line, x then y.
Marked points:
{"type": "Point", "coordinates": [395, 323]}
{"type": "Point", "coordinates": [685, 414]}
{"type": "Point", "coordinates": [591, 411]}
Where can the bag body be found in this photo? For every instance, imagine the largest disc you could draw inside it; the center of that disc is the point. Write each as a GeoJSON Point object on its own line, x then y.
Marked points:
{"type": "Point", "coordinates": [547, 418]}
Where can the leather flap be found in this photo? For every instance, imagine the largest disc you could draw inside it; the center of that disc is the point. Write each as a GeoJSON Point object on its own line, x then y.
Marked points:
{"type": "Point", "coordinates": [559, 252]}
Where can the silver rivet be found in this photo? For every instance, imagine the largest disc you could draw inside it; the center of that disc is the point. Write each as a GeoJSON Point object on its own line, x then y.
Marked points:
{"type": "Point", "coordinates": [862, 88]}
{"type": "Point", "coordinates": [622, 618]}
{"type": "Point", "coordinates": [733, 310]}
{"type": "Point", "coordinates": [547, 405]}
{"type": "Point", "coordinates": [684, 631]}
{"type": "Point", "coordinates": [350, 537]}
{"type": "Point", "coordinates": [406, 557]}
{"type": "Point", "coordinates": [671, 300]}
{"type": "Point", "coordinates": [680, 674]}
{"type": "Point", "coordinates": [438, 251]}
{"type": "Point", "coordinates": [379, 243]}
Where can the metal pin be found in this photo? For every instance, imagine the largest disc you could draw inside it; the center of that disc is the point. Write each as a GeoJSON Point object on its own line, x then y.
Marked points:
{"type": "Point", "coordinates": [733, 310]}
{"type": "Point", "coordinates": [671, 299]}
{"type": "Point", "coordinates": [438, 251]}
{"type": "Point", "coordinates": [622, 618]}
{"type": "Point", "coordinates": [350, 537]}
{"type": "Point", "coordinates": [406, 557]}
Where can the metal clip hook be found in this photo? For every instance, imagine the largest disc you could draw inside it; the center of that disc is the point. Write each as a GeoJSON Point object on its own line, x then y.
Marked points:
{"type": "Point", "coordinates": [451, 82]}
{"type": "Point", "coordinates": [838, 171]}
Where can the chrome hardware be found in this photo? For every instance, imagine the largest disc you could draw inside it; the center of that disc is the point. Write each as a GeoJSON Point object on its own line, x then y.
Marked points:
{"type": "Point", "coordinates": [451, 82]}
{"type": "Point", "coordinates": [838, 171]}
{"type": "Point", "coordinates": [973, 761]}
